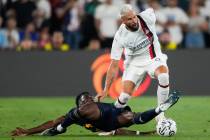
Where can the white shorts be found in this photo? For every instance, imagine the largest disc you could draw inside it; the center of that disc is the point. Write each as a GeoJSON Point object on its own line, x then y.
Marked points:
{"type": "Point", "coordinates": [137, 73]}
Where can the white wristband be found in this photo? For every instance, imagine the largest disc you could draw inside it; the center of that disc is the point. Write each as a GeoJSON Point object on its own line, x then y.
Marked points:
{"type": "Point", "coordinates": [113, 132]}
{"type": "Point", "coordinates": [59, 128]}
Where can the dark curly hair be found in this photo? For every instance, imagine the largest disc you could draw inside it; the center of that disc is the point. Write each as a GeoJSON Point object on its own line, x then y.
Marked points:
{"type": "Point", "coordinates": [80, 95]}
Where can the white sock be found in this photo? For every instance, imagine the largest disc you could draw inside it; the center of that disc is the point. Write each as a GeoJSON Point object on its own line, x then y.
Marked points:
{"type": "Point", "coordinates": [59, 128]}
{"type": "Point", "coordinates": [157, 109]}
{"type": "Point", "coordinates": [162, 92]}
{"type": "Point", "coordinates": [122, 100]}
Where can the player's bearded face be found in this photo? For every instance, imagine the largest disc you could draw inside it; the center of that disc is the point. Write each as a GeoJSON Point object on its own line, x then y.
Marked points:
{"type": "Point", "coordinates": [131, 21]}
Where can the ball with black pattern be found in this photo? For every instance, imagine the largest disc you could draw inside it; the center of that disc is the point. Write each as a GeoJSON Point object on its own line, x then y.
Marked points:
{"type": "Point", "coordinates": [166, 127]}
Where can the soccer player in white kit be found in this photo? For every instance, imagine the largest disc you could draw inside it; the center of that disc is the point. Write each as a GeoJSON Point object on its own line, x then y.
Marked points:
{"type": "Point", "coordinates": [137, 38]}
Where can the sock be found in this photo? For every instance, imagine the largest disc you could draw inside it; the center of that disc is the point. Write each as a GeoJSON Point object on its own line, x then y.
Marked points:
{"type": "Point", "coordinates": [162, 91]}
{"type": "Point", "coordinates": [141, 118]}
{"type": "Point", "coordinates": [122, 100]}
{"type": "Point", "coordinates": [157, 110]}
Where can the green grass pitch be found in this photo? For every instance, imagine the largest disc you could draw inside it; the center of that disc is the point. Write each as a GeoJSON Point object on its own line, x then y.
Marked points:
{"type": "Point", "coordinates": [192, 115]}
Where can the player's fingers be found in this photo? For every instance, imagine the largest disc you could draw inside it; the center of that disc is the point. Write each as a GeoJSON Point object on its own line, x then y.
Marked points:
{"type": "Point", "coordinates": [13, 133]}
{"type": "Point", "coordinates": [20, 131]}
{"type": "Point", "coordinates": [99, 98]}
{"type": "Point", "coordinates": [96, 98]}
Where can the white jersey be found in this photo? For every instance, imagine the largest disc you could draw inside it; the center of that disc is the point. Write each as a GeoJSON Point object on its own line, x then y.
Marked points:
{"type": "Point", "coordinates": [138, 47]}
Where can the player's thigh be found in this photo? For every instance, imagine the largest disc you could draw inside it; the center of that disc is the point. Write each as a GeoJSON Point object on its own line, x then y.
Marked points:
{"type": "Point", "coordinates": [132, 77]}
{"type": "Point", "coordinates": [156, 67]}
{"type": "Point", "coordinates": [126, 118]}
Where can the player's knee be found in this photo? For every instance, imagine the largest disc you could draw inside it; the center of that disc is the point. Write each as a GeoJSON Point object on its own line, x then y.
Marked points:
{"type": "Point", "coordinates": [163, 80]}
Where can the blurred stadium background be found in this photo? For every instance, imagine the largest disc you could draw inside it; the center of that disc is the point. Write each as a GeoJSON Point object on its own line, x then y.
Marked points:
{"type": "Point", "coordinates": [51, 48]}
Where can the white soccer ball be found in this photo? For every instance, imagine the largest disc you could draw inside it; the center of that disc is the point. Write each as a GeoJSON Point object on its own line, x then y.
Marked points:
{"type": "Point", "coordinates": [166, 127]}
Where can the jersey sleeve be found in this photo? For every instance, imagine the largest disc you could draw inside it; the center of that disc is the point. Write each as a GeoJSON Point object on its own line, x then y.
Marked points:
{"type": "Point", "coordinates": [117, 48]}
{"type": "Point", "coordinates": [71, 117]}
{"type": "Point", "coordinates": [149, 15]}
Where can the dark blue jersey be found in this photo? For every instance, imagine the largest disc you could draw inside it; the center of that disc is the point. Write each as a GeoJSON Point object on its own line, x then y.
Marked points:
{"type": "Point", "coordinates": [106, 122]}
{"type": "Point", "coordinates": [108, 117]}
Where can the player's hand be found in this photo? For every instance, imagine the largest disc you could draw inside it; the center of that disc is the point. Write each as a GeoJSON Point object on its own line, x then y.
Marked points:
{"type": "Point", "coordinates": [19, 132]}
{"type": "Point", "coordinates": [101, 96]}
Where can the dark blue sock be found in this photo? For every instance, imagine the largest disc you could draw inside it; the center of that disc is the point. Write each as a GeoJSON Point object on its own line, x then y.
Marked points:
{"type": "Point", "coordinates": [141, 118]}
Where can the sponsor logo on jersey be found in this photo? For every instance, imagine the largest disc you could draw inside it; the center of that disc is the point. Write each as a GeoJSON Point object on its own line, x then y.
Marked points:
{"type": "Point", "coordinates": [141, 45]}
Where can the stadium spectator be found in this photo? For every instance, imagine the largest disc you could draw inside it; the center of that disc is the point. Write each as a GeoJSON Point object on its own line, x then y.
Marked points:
{"type": "Point", "coordinates": [11, 34]}
{"type": "Point", "coordinates": [4, 6]}
{"type": "Point", "coordinates": [94, 45]}
{"type": "Point", "coordinates": [29, 32]}
{"type": "Point", "coordinates": [24, 11]}
{"type": "Point", "coordinates": [72, 25]}
{"type": "Point", "coordinates": [28, 38]}
{"type": "Point", "coordinates": [57, 43]}
{"type": "Point", "coordinates": [43, 14]}
{"type": "Point", "coordinates": [120, 3]}
{"type": "Point", "coordinates": [3, 41]}
{"type": "Point", "coordinates": [197, 24]}
{"type": "Point", "coordinates": [87, 28]}
{"type": "Point", "coordinates": [166, 41]}
{"type": "Point", "coordinates": [44, 38]}
{"type": "Point", "coordinates": [141, 4]}
{"type": "Point", "coordinates": [205, 12]}
{"type": "Point", "coordinates": [60, 8]}
{"type": "Point", "coordinates": [107, 21]}
{"type": "Point", "coordinates": [44, 7]}
{"type": "Point", "coordinates": [176, 20]}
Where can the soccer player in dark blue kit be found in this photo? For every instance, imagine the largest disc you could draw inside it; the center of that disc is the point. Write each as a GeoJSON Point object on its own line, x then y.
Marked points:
{"type": "Point", "coordinates": [97, 116]}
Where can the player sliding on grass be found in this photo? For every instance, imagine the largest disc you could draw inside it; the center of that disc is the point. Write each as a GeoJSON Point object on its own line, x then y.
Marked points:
{"type": "Point", "coordinates": [97, 117]}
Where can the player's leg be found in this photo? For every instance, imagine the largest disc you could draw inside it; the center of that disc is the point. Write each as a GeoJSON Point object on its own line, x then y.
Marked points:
{"type": "Point", "coordinates": [159, 70]}
{"type": "Point", "coordinates": [132, 76]}
{"type": "Point", "coordinates": [141, 118]}
{"type": "Point", "coordinates": [128, 118]}
{"type": "Point", "coordinates": [162, 75]}
{"type": "Point", "coordinates": [125, 95]}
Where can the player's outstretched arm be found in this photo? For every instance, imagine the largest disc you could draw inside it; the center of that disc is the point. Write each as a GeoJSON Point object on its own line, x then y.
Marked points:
{"type": "Point", "coordinates": [111, 74]}
{"type": "Point", "coordinates": [38, 129]}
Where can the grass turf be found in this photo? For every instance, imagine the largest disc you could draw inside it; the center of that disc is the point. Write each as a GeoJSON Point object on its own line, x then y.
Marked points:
{"type": "Point", "coordinates": [191, 114]}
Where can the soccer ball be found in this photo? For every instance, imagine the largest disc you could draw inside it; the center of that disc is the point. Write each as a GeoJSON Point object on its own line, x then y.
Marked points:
{"type": "Point", "coordinates": [166, 127]}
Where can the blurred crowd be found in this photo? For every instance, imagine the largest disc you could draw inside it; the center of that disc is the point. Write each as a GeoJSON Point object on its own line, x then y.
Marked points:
{"type": "Point", "coordinates": [65, 25]}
